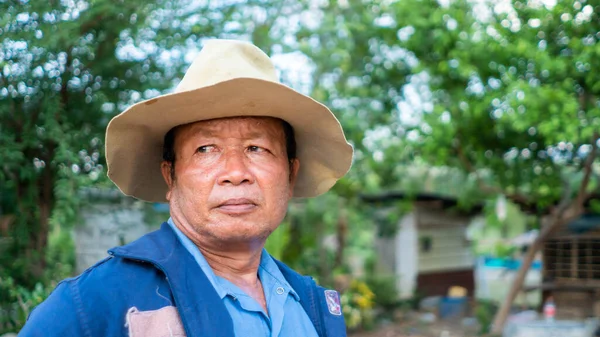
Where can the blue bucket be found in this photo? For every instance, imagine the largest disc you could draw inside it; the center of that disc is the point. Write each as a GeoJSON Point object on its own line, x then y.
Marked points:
{"type": "Point", "coordinates": [453, 307]}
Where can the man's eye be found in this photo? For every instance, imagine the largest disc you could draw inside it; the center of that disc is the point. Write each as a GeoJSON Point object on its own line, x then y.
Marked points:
{"type": "Point", "coordinates": [205, 148]}
{"type": "Point", "coordinates": [254, 148]}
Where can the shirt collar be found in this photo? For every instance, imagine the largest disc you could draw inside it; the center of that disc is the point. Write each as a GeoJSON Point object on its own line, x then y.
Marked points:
{"type": "Point", "coordinates": [267, 266]}
{"type": "Point", "coordinates": [195, 252]}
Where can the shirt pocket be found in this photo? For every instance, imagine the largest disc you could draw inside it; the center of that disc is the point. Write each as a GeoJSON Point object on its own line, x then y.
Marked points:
{"type": "Point", "coordinates": [163, 322]}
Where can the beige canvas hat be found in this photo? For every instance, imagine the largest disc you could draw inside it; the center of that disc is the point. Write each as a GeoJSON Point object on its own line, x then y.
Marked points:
{"type": "Point", "coordinates": [227, 79]}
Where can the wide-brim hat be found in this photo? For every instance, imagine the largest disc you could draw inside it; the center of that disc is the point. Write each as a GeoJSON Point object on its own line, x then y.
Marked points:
{"type": "Point", "coordinates": [227, 79]}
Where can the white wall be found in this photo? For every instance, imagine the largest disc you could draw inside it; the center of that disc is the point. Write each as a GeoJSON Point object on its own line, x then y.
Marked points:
{"type": "Point", "coordinates": [104, 226]}
{"type": "Point", "coordinates": [449, 250]}
{"type": "Point", "coordinates": [407, 256]}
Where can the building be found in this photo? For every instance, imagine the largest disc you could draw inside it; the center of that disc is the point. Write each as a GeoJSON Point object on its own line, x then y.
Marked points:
{"type": "Point", "coordinates": [571, 268]}
{"type": "Point", "coordinates": [111, 219]}
{"type": "Point", "coordinates": [430, 251]}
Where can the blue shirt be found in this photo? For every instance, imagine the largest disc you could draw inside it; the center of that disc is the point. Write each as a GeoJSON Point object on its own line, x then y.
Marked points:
{"type": "Point", "coordinates": [286, 317]}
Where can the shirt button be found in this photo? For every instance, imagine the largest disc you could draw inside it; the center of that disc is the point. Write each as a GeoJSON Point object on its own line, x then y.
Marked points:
{"type": "Point", "coordinates": [280, 290]}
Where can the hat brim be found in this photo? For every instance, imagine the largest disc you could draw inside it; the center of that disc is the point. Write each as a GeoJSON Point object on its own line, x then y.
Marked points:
{"type": "Point", "coordinates": [134, 138]}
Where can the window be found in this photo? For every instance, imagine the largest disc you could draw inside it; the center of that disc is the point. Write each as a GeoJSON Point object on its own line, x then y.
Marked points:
{"type": "Point", "coordinates": [573, 258]}
{"type": "Point", "coordinates": [425, 243]}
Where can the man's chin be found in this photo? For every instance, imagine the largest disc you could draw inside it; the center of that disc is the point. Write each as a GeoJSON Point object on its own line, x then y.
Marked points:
{"type": "Point", "coordinates": [238, 235]}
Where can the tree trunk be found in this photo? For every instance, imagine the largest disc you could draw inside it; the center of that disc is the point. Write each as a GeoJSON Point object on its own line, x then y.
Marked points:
{"type": "Point", "coordinates": [46, 203]}
{"type": "Point", "coordinates": [324, 268]}
{"type": "Point", "coordinates": [559, 219]}
{"type": "Point", "coordinates": [41, 238]}
{"type": "Point", "coordinates": [293, 249]}
{"type": "Point", "coordinates": [341, 234]}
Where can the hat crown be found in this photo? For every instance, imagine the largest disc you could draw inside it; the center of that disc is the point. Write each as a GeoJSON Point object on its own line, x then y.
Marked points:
{"type": "Point", "coordinates": [224, 60]}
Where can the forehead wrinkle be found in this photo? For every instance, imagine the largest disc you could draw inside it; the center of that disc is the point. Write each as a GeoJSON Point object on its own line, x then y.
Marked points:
{"type": "Point", "coordinates": [241, 126]}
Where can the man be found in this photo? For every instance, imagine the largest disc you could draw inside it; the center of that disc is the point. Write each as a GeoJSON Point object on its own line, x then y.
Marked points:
{"type": "Point", "coordinates": [227, 151]}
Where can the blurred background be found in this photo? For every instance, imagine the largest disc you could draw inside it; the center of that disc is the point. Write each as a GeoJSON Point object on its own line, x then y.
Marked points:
{"type": "Point", "coordinates": [473, 204]}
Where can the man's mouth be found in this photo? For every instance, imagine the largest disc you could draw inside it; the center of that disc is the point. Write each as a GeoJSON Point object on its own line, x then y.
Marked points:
{"type": "Point", "coordinates": [237, 206]}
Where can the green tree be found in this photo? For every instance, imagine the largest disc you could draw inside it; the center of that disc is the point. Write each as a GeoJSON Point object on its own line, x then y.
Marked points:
{"type": "Point", "coordinates": [507, 94]}
{"type": "Point", "coordinates": [66, 68]}
{"type": "Point", "coordinates": [359, 73]}
{"type": "Point", "coordinates": [334, 37]}
{"type": "Point", "coordinates": [516, 102]}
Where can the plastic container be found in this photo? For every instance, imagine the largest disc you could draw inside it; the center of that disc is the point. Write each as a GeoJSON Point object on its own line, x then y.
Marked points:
{"type": "Point", "coordinates": [549, 310]}
{"type": "Point", "coordinates": [453, 307]}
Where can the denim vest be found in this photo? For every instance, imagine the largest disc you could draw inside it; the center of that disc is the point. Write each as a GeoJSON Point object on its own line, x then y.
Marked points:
{"type": "Point", "coordinates": [153, 273]}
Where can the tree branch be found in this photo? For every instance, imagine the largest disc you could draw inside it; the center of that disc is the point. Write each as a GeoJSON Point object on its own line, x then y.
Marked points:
{"type": "Point", "coordinates": [563, 214]}
{"type": "Point", "coordinates": [9, 173]}
{"type": "Point", "coordinates": [517, 197]}
{"type": "Point", "coordinates": [463, 158]}
{"type": "Point", "coordinates": [565, 199]}
{"type": "Point", "coordinates": [22, 304]}
{"type": "Point", "coordinates": [64, 93]}
{"type": "Point", "coordinates": [566, 211]}
{"type": "Point", "coordinates": [92, 23]}
{"type": "Point", "coordinates": [582, 196]}
{"type": "Point", "coordinates": [596, 191]}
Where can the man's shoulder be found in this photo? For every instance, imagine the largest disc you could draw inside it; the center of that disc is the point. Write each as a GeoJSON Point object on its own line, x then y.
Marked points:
{"type": "Point", "coordinates": [296, 279]}
{"type": "Point", "coordinates": [113, 279]}
{"type": "Point", "coordinates": [97, 299]}
{"type": "Point", "coordinates": [114, 271]}
{"type": "Point", "coordinates": [288, 271]}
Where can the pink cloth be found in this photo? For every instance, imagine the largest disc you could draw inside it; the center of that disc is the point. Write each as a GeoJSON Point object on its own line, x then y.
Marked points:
{"type": "Point", "coordinates": [164, 322]}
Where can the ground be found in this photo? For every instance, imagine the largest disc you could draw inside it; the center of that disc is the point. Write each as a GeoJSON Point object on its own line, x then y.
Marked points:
{"type": "Point", "coordinates": [402, 330]}
{"type": "Point", "coordinates": [414, 325]}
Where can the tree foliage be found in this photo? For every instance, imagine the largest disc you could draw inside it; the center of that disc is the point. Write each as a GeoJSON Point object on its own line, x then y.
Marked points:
{"type": "Point", "coordinates": [499, 98]}
{"type": "Point", "coordinates": [514, 92]}
{"type": "Point", "coordinates": [504, 92]}
{"type": "Point", "coordinates": [65, 71]}
{"type": "Point", "coordinates": [66, 68]}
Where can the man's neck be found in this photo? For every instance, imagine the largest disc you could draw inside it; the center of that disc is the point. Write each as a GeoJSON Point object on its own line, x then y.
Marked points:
{"type": "Point", "coordinates": [237, 262]}
{"type": "Point", "coordinates": [239, 267]}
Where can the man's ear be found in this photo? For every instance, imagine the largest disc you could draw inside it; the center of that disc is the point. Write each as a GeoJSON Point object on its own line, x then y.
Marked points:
{"type": "Point", "coordinates": [294, 168]}
{"type": "Point", "coordinates": [165, 169]}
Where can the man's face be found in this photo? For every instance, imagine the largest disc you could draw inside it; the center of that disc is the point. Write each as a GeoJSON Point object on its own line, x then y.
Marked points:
{"type": "Point", "coordinates": [233, 179]}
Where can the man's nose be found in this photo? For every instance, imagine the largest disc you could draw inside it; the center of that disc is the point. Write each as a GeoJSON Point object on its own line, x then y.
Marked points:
{"type": "Point", "coordinates": [235, 169]}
